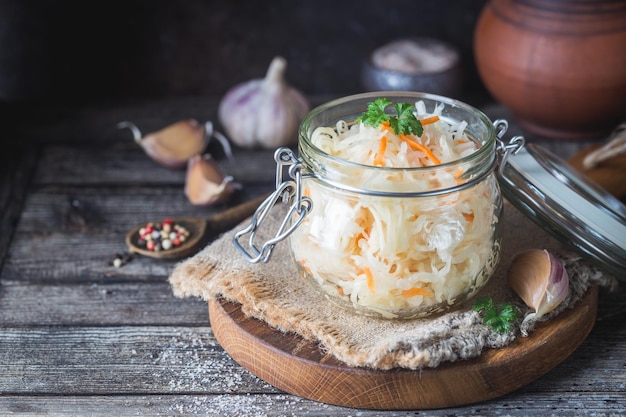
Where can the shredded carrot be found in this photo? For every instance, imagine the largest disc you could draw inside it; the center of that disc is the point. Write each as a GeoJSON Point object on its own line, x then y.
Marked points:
{"type": "Point", "coordinates": [385, 125]}
{"type": "Point", "coordinates": [306, 268]}
{"type": "Point", "coordinates": [360, 236]}
{"type": "Point", "coordinates": [340, 290]}
{"type": "Point", "coordinates": [370, 279]}
{"type": "Point", "coordinates": [469, 217]}
{"type": "Point", "coordinates": [429, 120]}
{"type": "Point", "coordinates": [382, 147]}
{"type": "Point", "coordinates": [457, 176]}
{"type": "Point", "coordinates": [353, 246]}
{"type": "Point", "coordinates": [307, 192]}
{"type": "Point", "coordinates": [412, 292]}
{"type": "Point", "coordinates": [419, 147]}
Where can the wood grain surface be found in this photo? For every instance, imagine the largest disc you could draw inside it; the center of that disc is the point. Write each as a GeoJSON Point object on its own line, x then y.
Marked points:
{"type": "Point", "coordinates": [299, 366]}
{"type": "Point", "coordinates": [80, 337]}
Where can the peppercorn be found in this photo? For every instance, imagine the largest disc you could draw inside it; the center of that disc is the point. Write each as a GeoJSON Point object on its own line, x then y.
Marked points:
{"type": "Point", "coordinates": [165, 235]}
{"type": "Point", "coordinates": [120, 259]}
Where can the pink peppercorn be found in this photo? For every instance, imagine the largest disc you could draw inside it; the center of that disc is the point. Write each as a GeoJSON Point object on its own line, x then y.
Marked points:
{"type": "Point", "coordinates": [162, 235]}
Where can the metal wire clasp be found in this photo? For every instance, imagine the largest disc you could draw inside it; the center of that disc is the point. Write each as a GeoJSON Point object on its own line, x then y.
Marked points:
{"type": "Point", "coordinates": [288, 189]}
{"type": "Point", "coordinates": [515, 144]}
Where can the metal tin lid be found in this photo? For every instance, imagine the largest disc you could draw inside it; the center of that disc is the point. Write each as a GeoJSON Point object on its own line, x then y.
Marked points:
{"type": "Point", "coordinates": [568, 205]}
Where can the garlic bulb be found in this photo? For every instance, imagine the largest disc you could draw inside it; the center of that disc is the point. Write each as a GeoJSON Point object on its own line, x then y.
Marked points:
{"type": "Point", "coordinates": [205, 184]}
{"type": "Point", "coordinates": [540, 279]}
{"type": "Point", "coordinates": [173, 145]}
{"type": "Point", "coordinates": [265, 112]}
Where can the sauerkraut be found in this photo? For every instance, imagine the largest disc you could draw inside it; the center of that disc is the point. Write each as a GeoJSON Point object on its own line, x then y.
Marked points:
{"type": "Point", "coordinates": [398, 256]}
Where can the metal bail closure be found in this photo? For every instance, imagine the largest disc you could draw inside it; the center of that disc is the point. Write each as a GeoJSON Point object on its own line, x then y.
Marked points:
{"type": "Point", "coordinates": [515, 144]}
{"type": "Point", "coordinates": [287, 190]}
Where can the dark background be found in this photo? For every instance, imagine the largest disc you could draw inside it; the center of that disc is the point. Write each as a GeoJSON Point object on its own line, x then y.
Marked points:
{"type": "Point", "coordinates": [78, 52]}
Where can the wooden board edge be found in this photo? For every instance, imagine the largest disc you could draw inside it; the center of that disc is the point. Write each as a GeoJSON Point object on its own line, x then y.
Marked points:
{"type": "Point", "coordinates": [258, 348]}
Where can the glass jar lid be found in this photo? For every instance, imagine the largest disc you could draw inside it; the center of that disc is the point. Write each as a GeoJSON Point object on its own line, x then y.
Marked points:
{"type": "Point", "coordinates": [568, 205]}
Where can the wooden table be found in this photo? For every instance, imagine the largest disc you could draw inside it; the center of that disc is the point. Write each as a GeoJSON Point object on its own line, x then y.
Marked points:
{"type": "Point", "coordinates": [79, 336]}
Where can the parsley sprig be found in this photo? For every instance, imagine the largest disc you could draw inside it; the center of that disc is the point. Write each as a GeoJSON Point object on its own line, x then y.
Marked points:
{"type": "Point", "coordinates": [404, 122]}
{"type": "Point", "coordinates": [500, 317]}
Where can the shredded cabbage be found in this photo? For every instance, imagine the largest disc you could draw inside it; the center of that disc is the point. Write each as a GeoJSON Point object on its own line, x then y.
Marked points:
{"type": "Point", "coordinates": [398, 256]}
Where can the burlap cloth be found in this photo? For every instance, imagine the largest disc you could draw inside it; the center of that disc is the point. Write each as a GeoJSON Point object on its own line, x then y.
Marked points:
{"type": "Point", "coordinates": [274, 292]}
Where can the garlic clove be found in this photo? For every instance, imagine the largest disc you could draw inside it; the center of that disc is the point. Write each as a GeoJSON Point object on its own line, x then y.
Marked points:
{"type": "Point", "coordinates": [540, 279]}
{"type": "Point", "coordinates": [173, 145]}
{"type": "Point", "coordinates": [205, 184]}
{"type": "Point", "coordinates": [263, 113]}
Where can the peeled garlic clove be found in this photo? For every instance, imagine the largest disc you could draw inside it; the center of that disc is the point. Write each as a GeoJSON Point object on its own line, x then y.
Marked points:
{"type": "Point", "coordinates": [173, 145]}
{"type": "Point", "coordinates": [205, 183]}
{"type": "Point", "coordinates": [265, 112]}
{"type": "Point", "coordinates": [540, 279]}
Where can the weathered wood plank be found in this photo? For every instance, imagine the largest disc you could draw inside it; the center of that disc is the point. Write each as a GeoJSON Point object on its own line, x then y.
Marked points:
{"type": "Point", "coordinates": [71, 234]}
{"type": "Point", "coordinates": [126, 163]}
{"type": "Point", "coordinates": [142, 304]}
{"type": "Point", "coordinates": [97, 210]}
{"type": "Point", "coordinates": [119, 360]}
{"type": "Point", "coordinates": [99, 340]}
{"type": "Point", "coordinates": [612, 304]}
{"type": "Point", "coordinates": [98, 305]}
{"type": "Point", "coordinates": [77, 257]}
{"type": "Point", "coordinates": [17, 165]}
{"type": "Point", "coordinates": [157, 359]}
{"type": "Point", "coordinates": [280, 405]}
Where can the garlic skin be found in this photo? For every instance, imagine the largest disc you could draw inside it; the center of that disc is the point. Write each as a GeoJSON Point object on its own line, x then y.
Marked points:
{"type": "Point", "coordinates": [205, 184]}
{"type": "Point", "coordinates": [263, 113]}
{"type": "Point", "coordinates": [173, 145]}
{"type": "Point", "coordinates": [540, 279]}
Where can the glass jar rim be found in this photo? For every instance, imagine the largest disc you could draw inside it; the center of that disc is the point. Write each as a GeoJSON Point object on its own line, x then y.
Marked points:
{"type": "Point", "coordinates": [487, 146]}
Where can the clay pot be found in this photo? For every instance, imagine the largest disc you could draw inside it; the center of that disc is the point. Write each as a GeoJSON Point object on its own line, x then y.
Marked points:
{"type": "Point", "coordinates": [558, 65]}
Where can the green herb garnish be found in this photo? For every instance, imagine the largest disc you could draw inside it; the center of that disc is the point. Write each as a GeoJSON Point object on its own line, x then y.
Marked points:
{"type": "Point", "coordinates": [499, 316]}
{"type": "Point", "coordinates": [404, 123]}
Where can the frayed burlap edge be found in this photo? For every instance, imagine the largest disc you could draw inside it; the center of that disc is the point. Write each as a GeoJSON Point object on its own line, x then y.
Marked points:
{"type": "Point", "coordinates": [274, 293]}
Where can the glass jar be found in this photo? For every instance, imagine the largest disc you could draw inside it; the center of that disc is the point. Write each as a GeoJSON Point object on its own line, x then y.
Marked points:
{"type": "Point", "coordinates": [410, 242]}
{"type": "Point", "coordinates": [391, 242]}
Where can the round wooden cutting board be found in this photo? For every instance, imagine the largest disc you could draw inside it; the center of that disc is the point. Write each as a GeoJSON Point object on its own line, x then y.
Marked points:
{"type": "Point", "coordinates": [299, 367]}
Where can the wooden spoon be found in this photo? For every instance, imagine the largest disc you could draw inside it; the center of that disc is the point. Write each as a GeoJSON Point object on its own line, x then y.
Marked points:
{"type": "Point", "coordinates": [200, 230]}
